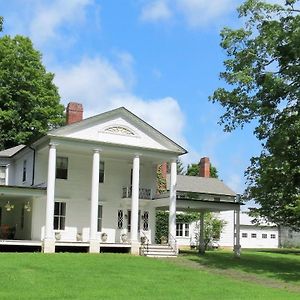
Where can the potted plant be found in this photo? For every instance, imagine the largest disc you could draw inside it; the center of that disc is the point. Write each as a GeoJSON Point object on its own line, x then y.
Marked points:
{"type": "Point", "coordinates": [124, 237]}
{"type": "Point", "coordinates": [104, 237]}
{"type": "Point", "coordinates": [143, 240]}
{"type": "Point", "coordinates": [163, 240]}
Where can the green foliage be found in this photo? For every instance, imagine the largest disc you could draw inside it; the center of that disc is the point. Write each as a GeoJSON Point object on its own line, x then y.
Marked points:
{"type": "Point", "coordinates": [161, 181]}
{"type": "Point", "coordinates": [263, 70]}
{"type": "Point", "coordinates": [193, 170]}
{"type": "Point", "coordinates": [162, 222]}
{"type": "Point", "coordinates": [213, 227]}
{"type": "Point", "coordinates": [29, 101]}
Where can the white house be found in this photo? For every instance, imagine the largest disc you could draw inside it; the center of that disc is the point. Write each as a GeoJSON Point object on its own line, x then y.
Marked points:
{"type": "Point", "coordinates": [93, 182]}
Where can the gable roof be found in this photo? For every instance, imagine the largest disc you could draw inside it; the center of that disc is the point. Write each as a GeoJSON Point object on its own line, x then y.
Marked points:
{"type": "Point", "coordinates": [203, 185]}
{"type": "Point", "coordinates": [11, 151]}
{"type": "Point", "coordinates": [126, 114]}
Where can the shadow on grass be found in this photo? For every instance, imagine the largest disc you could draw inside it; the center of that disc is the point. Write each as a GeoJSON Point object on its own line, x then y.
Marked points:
{"type": "Point", "coordinates": [282, 265]}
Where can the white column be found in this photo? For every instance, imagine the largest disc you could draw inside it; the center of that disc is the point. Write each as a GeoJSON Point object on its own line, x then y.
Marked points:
{"type": "Point", "coordinates": [94, 200]}
{"type": "Point", "coordinates": [49, 242]}
{"type": "Point", "coordinates": [201, 234]}
{"type": "Point", "coordinates": [172, 205]}
{"type": "Point", "coordinates": [237, 246]}
{"type": "Point", "coordinates": [135, 199]}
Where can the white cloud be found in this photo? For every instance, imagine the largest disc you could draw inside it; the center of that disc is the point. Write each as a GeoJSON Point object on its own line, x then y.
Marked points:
{"type": "Point", "coordinates": [156, 11]}
{"type": "Point", "coordinates": [201, 12]}
{"type": "Point", "coordinates": [48, 18]}
{"type": "Point", "coordinates": [196, 13]}
{"type": "Point", "coordinates": [97, 84]}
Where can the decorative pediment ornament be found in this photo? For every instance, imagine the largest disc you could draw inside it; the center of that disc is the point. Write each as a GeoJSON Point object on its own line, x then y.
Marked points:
{"type": "Point", "coordinates": [119, 130]}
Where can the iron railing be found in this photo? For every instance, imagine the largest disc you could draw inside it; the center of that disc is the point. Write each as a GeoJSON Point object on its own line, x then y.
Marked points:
{"type": "Point", "coordinates": [144, 244]}
{"type": "Point", "coordinates": [143, 193]}
{"type": "Point", "coordinates": [173, 243]}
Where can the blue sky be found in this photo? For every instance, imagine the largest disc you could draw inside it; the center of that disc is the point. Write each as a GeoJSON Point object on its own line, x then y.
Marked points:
{"type": "Point", "coordinates": [160, 59]}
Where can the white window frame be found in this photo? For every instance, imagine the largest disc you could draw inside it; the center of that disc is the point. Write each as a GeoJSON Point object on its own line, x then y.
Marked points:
{"type": "Point", "coordinates": [182, 229]}
{"type": "Point", "coordinates": [99, 221]}
{"type": "Point", "coordinates": [67, 168]}
{"type": "Point", "coordinates": [5, 168]}
{"type": "Point", "coordinates": [61, 223]}
{"type": "Point", "coordinates": [273, 236]}
{"type": "Point", "coordinates": [244, 235]}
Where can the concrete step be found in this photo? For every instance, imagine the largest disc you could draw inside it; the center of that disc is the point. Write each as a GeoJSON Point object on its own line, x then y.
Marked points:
{"type": "Point", "coordinates": [154, 250]}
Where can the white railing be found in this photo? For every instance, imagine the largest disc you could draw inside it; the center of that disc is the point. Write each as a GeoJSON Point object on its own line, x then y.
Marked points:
{"type": "Point", "coordinates": [143, 193]}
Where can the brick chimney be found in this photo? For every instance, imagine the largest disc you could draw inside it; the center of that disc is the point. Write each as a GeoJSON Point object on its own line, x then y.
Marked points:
{"type": "Point", "coordinates": [74, 112]}
{"type": "Point", "coordinates": [204, 167]}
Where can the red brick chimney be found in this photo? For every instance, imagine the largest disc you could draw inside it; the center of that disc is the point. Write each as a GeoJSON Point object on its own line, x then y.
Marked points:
{"type": "Point", "coordinates": [74, 112]}
{"type": "Point", "coordinates": [204, 167]}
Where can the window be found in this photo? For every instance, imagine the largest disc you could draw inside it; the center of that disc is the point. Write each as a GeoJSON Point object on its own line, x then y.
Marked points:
{"type": "Point", "coordinates": [264, 235]}
{"type": "Point", "coordinates": [145, 218]}
{"type": "Point", "coordinates": [24, 170]}
{"type": "Point", "coordinates": [59, 215]}
{"type": "Point", "coordinates": [129, 220]}
{"type": "Point", "coordinates": [120, 219]}
{"type": "Point", "coordinates": [273, 236]}
{"type": "Point", "coordinates": [62, 168]}
{"type": "Point", "coordinates": [253, 235]}
{"type": "Point", "coordinates": [22, 217]}
{"type": "Point", "coordinates": [99, 224]}
{"type": "Point", "coordinates": [101, 172]}
{"type": "Point", "coordinates": [290, 234]}
{"type": "Point", "coordinates": [2, 175]}
{"type": "Point", "coordinates": [244, 234]}
{"type": "Point", "coordinates": [182, 229]}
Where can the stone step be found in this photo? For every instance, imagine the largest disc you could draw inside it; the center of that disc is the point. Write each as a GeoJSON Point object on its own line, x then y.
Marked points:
{"type": "Point", "coordinates": [155, 250]}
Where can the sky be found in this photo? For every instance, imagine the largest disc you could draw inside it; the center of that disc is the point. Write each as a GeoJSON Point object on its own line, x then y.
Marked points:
{"type": "Point", "coordinates": [160, 59]}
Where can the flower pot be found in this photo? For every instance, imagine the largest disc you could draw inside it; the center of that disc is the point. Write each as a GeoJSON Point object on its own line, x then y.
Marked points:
{"type": "Point", "coordinates": [104, 237]}
{"type": "Point", "coordinates": [124, 238]}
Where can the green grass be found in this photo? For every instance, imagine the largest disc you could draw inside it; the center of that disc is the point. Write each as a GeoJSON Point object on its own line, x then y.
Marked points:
{"type": "Point", "coordinates": [121, 276]}
{"type": "Point", "coordinates": [277, 264]}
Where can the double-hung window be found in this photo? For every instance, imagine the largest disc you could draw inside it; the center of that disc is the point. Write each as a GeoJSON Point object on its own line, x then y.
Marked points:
{"type": "Point", "coordinates": [101, 172]}
{"type": "Point", "coordinates": [2, 175]}
{"type": "Point", "coordinates": [182, 229]}
{"type": "Point", "coordinates": [62, 167]}
{"type": "Point", "coordinates": [99, 223]}
{"type": "Point", "coordinates": [24, 177]}
{"type": "Point", "coordinates": [59, 215]}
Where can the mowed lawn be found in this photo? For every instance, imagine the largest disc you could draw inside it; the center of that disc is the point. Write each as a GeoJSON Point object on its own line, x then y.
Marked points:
{"type": "Point", "coordinates": [121, 276]}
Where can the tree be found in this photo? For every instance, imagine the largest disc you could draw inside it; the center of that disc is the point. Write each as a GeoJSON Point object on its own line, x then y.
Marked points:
{"type": "Point", "coordinates": [212, 229]}
{"type": "Point", "coordinates": [29, 101]}
{"type": "Point", "coordinates": [1, 23]}
{"type": "Point", "coordinates": [193, 170]}
{"type": "Point", "coordinates": [263, 75]}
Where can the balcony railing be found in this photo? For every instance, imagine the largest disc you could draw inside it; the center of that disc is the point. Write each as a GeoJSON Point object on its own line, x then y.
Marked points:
{"type": "Point", "coordinates": [143, 193]}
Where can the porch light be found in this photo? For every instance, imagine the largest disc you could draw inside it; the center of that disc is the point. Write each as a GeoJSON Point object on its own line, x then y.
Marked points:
{"type": "Point", "coordinates": [9, 206]}
{"type": "Point", "coordinates": [27, 206]}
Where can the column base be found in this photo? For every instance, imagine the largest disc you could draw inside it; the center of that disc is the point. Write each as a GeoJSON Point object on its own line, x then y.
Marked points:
{"type": "Point", "coordinates": [49, 246]}
{"type": "Point", "coordinates": [237, 251]}
{"type": "Point", "coordinates": [135, 248]}
{"type": "Point", "coordinates": [94, 246]}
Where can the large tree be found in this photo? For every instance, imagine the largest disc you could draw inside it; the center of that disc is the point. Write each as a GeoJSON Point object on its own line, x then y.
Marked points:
{"type": "Point", "coordinates": [262, 74]}
{"type": "Point", "coordinates": [29, 101]}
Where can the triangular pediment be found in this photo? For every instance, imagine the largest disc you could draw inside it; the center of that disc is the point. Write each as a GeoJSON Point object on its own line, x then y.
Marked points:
{"type": "Point", "coordinates": [120, 127]}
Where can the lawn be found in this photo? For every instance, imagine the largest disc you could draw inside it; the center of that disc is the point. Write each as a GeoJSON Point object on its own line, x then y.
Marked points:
{"type": "Point", "coordinates": [117, 276]}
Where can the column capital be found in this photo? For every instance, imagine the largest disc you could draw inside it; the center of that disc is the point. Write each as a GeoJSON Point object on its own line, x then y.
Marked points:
{"type": "Point", "coordinates": [137, 155]}
{"type": "Point", "coordinates": [52, 145]}
{"type": "Point", "coordinates": [97, 150]}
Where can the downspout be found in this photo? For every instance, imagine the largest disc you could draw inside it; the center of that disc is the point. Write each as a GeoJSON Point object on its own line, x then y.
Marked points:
{"type": "Point", "coordinates": [33, 165]}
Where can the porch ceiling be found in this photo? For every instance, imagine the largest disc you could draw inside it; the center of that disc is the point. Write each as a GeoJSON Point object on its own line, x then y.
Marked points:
{"type": "Point", "coordinates": [8, 192]}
